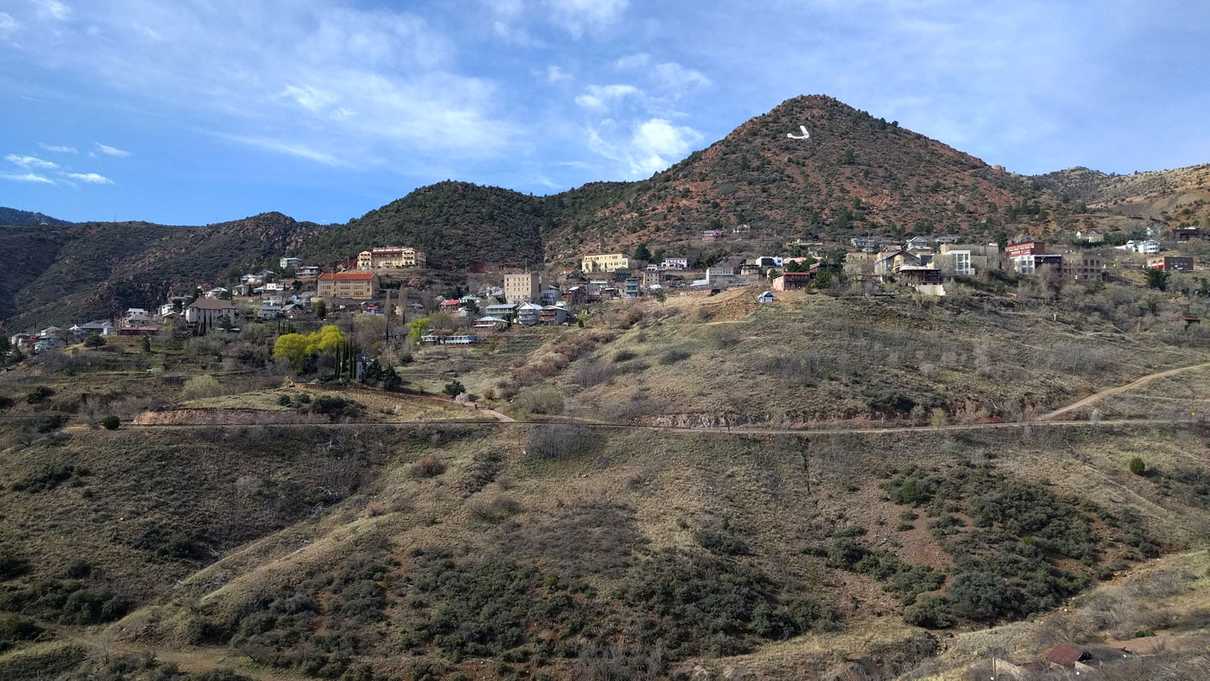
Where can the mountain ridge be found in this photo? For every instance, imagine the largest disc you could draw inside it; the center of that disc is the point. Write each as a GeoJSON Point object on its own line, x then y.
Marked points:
{"type": "Point", "coordinates": [856, 174]}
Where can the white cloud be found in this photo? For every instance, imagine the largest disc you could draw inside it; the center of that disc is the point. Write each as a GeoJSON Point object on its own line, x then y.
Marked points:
{"type": "Point", "coordinates": [677, 80]}
{"type": "Point", "coordinates": [27, 177]}
{"type": "Point", "coordinates": [58, 148]}
{"type": "Point", "coordinates": [649, 147]}
{"type": "Point", "coordinates": [632, 61]}
{"type": "Point", "coordinates": [580, 16]}
{"type": "Point", "coordinates": [112, 151]}
{"type": "Point", "coordinates": [599, 97]}
{"type": "Point", "coordinates": [30, 162]}
{"type": "Point", "coordinates": [8, 25]}
{"type": "Point", "coordinates": [331, 79]}
{"type": "Point", "coordinates": [53, 9]}
{"type": "Point", "coordinates": [555, 74]}
{"type": "Point", "coordinates": [89, 178]}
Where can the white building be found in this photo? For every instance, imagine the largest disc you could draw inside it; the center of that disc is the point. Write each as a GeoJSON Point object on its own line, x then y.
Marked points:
{"type": "Point", "coordinates": [675, 264]}
{"type": "Point", "coordinates": [288, 263]}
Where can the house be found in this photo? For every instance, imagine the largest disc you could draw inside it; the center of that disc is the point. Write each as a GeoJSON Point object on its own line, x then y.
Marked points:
{"type": "Point", "coordinates": [449, 305]}
{"type": "Point", "coordinates": [652, 278]}
{"type": "Point", "coordinates": [606, 262]}
{"type": "Point", "coordinates": [217, 292]}
{"type": "Point", "coordinates": [576, 295]}
{"type": "Point", "coordinates": [859, 263]}
{"type": "Point", "coordinates": [273, 286]}
{"type": "Point", "coordinates": [918, 243]}
{"type": "Point", "coordinates": [23, 341]}
{"type": "Point", "coordinates": [1083, 266]}
{"type": "Point", "coordinates": [788, 281]}
{"type": "Point", "coordinates": [967, 260]}
{"type": "Point", "coordinates": [45, 343]}
{"type": "Point", "coordinates": [719, 276]}
{"type": "Point", "coordinates": [210, 312]}
{"type": "Point", "coordinates": [550, 295]}
{"type": "Point", "coordinates": [307, 272]}
{"type": "Point", "coordinates": [288, 263]}
{"type": "Point", "coordinates": [521, 287]}
{"type": "Point", "coordinates": [242, 290]}
{"type": "Point", "coordinates": [675, 264]}
{"type": "Point", "coordinates": [357, 285]}
{"type": "Point", "coordinates": [529, 314]}
{"type": "Point", "coordinates": [890, 262]}
{"type": "Point", "coordinates": [867, 243]}
{"type": "Point", "coordinates": [1187, 233]}
{"type": "Point", "coordinates": [765, 298]}
{"type": "Point", "coordinates": [741, 229]}
{"type": "Point", "coordinates": [916, 275]}
{"type": "Point", "coordinates": [764, 262]}
{"type": "Point", "coordinates": [1145, 247]}
{"type": "Point", "coordinates": [490, 322]}
{"type": "Point", "coordinates": [269, 310]}
{"type": "Point", "coordinates": [1171, 263]}
{"type": "Point", "coordinates": [630, 289]}
{"type": "Point", "coordinates": [1090, 236]}
{"type": "Point", "coordinates": [52, 331]}
{"type": "Point", "coordinates": [391, 258]}
{"type": "Point", "coordinates": [97, 327]}
{"type": "Point", "coordinates": [506, 311]}
{"type": "Point", "coordinates": [553, 314]}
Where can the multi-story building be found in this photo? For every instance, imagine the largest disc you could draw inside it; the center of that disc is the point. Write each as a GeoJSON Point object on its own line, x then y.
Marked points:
{"type": "Point", "coordinates": [522, 287]}
{"type": "Point", "coordinates": [967, 260]}
{"type": "Point", "coordinates": [607, 262]}
{"type": "Point", "coordinates": [675, 264]}
{"type": "Point", "coordinates": [1083, 267]}
{"type": "Point", "coordinates": [288, 262]}
{"type": "Point", "coordinates": [390, 258]}
{"type": "Point", "coordinates": [350, 285]}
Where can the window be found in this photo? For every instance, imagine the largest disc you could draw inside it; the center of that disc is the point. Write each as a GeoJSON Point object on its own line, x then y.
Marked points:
{"type": "Point", "coordinates": [962, 263]}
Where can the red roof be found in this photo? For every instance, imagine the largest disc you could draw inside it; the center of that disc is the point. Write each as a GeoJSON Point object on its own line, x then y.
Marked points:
{"type": "Point", "coordinates": [346, 276]}
{"type": "Point", "coordinates": [1064, 655]}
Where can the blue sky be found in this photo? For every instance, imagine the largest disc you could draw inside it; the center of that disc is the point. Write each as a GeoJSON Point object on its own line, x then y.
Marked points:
{"type": "Point", "coordinates": [198, 111]}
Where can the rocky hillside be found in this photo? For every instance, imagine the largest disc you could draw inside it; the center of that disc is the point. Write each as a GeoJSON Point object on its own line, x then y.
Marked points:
{"type": "Point", "coordinates": [855, 173]}
{"type": "Point", "coordinates": [25, 218]}
{"type": "Point", "coordinates": [1175, 197]}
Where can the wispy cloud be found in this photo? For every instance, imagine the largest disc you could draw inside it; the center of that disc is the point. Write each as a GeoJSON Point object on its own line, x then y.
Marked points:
{"type": "Point", "coordinates": [112, 151]}
{"type": "Point", "coordinates": [601, 96]}
{"type": "Point", "coordinates": [58, 148]}
{"type": "Point", "coordinates": [30, 162]}
{"type": "Point", "coordinates": [53, 9]}
{"type": "Point", "coordinates": [288, 148]}
{"type": "Point", "coordinates": [648, 147]}
{"type": "Point", "coordinates": [89, 178]}
{"type": "Point", "coordinates": [580, 16]}
{"type": "Point", "coordinates": [8, 25]}
{"type": "Point", "coordinates": [26, 177]}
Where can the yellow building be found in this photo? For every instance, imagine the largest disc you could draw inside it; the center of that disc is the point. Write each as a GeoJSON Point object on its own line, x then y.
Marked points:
{"type": "Point", "coordinates": [390, 258]}
{"type": "Point", "coordinates": [350, 285]}
{"type": "Point", "coordinates": [610, 262]}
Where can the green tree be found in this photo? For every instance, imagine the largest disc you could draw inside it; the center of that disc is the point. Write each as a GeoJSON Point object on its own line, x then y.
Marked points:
{"type": "Point", "coordinates": [641, 252]}
{"type": "Point", "coordinates": [146, 344]}
{"type": "Point", "coordinates": [1157, 279]}
{"type": "Point", "coordinates": [416, 329]}
{"type": "Point", "coordinates": [321, 308]}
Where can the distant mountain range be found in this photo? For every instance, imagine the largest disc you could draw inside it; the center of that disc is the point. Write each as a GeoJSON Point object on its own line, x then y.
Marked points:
{"type": "Point", "coordinates": [855, 174]}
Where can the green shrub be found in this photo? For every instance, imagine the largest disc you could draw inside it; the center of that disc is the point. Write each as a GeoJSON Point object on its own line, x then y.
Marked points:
{"type": "Point", "coordinates": [111, 422]}
{"type": "Point", "coordinates": [674, 356]}
{"type": "Point", "coordinates": [623, 356]}
{"type": "Point", "coordinates": [6, 403]}
{"type": "Point", "coordinates": [284, 401]}
{"type": "Point", "coordinates": [39, 395]}
{"type": "Point", "coordinates": [49, 477]}
{"type": "Point", "coordinates": [14, 628]}
{"type": "Point", "coordinates": [94, 341]}
{"type": "Point", "coordinates": [454, 388]}
{"type": "Point", "coordinates": [560, 441]}
{"type": "Point", "coordinates": [12, 566]}
{"type": "Point", "coordinates": [1138, 466]}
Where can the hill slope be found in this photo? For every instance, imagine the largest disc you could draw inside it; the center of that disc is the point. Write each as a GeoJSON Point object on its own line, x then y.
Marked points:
{"type": "Point", "coordinates": [856, 172]}
{"type": "Point", "coordinates": [25, 218]}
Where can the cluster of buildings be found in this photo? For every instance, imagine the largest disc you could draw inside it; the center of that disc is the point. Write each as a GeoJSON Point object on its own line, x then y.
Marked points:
{"type": "Point", "coordinates": [134, 322]}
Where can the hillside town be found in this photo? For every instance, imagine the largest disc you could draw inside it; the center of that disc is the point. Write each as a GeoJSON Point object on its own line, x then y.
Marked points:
{"type": "Point", "coordinates": [488, 303]}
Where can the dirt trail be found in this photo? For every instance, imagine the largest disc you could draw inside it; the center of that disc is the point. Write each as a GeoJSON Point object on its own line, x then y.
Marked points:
{"type": "Point", "coordinates": [1117, 390]}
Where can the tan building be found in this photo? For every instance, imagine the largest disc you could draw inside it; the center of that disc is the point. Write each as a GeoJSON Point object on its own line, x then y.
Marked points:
{"type": "Point", "coordinates": [609, 262]}
{"type": "Point", "coordinates": [390, 258]}
{"type": "Point", "coordinates": [521, 288]}
{"type": "Point", "coordinates": [351, 285]}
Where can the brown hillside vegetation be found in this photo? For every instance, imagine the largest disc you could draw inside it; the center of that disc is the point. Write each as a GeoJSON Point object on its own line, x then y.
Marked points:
{"type": "Point", "coordinates": [856, 173]}
{"type": "Point", "coordinates": [371, 536]}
